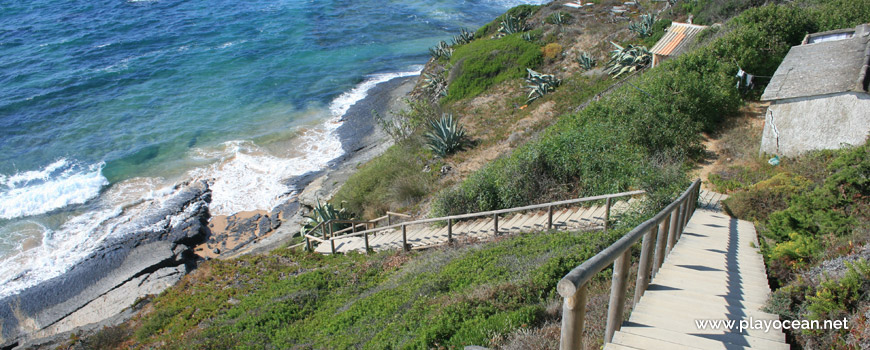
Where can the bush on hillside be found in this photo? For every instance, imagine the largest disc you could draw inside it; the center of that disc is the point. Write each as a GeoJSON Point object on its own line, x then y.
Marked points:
{"type": "Point", "coordinates": [766, 197]}
{"type": "Point", "coordinates": [484, 63]}
{"type": "Point", "coordinates": [833, 208]}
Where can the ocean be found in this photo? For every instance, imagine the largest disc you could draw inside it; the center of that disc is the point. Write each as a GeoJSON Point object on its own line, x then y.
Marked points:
{"type": "Point", "coordinates": [105, 104]}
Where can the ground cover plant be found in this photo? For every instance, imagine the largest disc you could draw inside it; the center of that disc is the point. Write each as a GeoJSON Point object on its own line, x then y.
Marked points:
{"type": "Point", "coordinates": [441, 298]}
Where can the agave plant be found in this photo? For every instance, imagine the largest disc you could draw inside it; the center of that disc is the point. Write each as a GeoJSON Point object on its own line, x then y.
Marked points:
{"type": "Point", "coordinates": [585, 60]}
{"type": "Point", "coordinates": [435, 85]}
{"type": "Point", "coordinates": [445, 136]}
{"type": "Point", "coordinates": [324, 212]}
{"type": "Point", "coordinates": [512, 25]}
{"type": "Point", "coordinates": [528, 37]}
{"type": "Point", "coordinates": [464, 37]}
{"type": "Point", "coordinates": [442, 50]}
{"type": "Point", "coordinates": [643, 28]}
{"type": "Point", "coordinates": [540, 84]}
{"type": "Point", "coordinates": [559, 18]}
{"type": "Point", "coordinates": [627, 59]}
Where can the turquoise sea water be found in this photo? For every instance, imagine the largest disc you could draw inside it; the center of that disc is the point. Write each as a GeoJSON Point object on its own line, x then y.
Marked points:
{"type": "Point", "coordinates": [104, 104]}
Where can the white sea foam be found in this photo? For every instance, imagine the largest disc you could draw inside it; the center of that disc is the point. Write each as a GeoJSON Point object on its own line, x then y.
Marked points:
{"type": "Point", "coordinates": [113, 214]}
{"type": "Point", "coordinates": [342, 103]}
{"type": "Point", "coordinates": [248, 178]}
{"type": "Point", "coordinates": [59, 184]}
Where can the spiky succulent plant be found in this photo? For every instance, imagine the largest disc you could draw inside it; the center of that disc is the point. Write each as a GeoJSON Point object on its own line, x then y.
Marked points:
{"type": "Point", "coordinates": [512, 25]}
{"type": "Point", "coordinates": [586, 60]}
{"type": "Point", "coordinates": [435, 85]}
{"type": "Point", "coordinates": [559, 18]}
{"type": "Point", "coordinates": [627, 59]}
{"type": "Point", "coordinates": [324, 212]}
{"type": "Point", "coordinates": [464, 37]}
{"type": "Point", "coordinates": [540, 84]}
{"type": "Point", "coordinates": [643, 27]}
{"type": "Point", "coordinates": [442, 50]}
{"type": "Point", "coordinates": [445, 135]}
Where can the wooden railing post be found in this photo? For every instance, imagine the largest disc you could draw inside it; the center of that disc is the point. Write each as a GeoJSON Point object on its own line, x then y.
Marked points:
{"type": "Point", "coordinates": [672, 231]}
{"type": "Point", "coordinates": [550, 218]}
{"type": "Point", "coordinates": [643, 266]}
{"type": "Point", "coordinates": [682, 223]}
{"type": "Point", "coordinates": [573, 315]}
{"type": "Point", "coordinates": [308, 243]}
{"type": "Point", "coordinates": [332, 242]}
{"type": "Point", "coordinates": [617, 294]}
{"type": "Point", "coordinates": [607, 215]}
{"type": "Point", "coordinates": [449, 231]}
{"type": "Point", "coordinates": [495, 224]}
{"type": "Point", "coordinates": [661, 244]}
{"type": "Point", "coordinates": [405, 246]}
{"type": "Point", "coordinates": [366, 238]}
{"type": "Point", "coordinates": [389, 220]}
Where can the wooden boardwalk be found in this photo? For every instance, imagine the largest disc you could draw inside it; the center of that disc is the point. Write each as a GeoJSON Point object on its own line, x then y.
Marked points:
{"type": "Point", "coordinates": [714, 272]}
{"type": "Point", "coordinates": [423, 236]}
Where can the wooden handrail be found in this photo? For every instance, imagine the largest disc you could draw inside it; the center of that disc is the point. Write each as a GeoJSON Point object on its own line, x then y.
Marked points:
{"type": "Point", "coordinates": [496, 212]}
{"type": "Point", "coordinates": [669, 221]}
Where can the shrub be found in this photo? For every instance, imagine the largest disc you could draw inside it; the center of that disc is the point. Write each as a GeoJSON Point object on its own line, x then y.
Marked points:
{"type": "Point", "coordinates": [551, 51]}
{"type": "Point", "coordinates": [759, 201]}
{"type": "Point", "coordinates": [833, 208]}
{"type": "Point", "coordinates": [484, 63]}
{"type": "Point", "coordinates": [797, 252]}
{"type": "Point", "coordinates": [382, 183]}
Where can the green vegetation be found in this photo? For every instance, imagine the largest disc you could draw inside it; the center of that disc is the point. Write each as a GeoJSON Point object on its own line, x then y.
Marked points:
{"type": "Point", "coordinates": [512, 25]}
{"type": "Point", "coordinates": [519, 12]}
{"type": "Point", "coordinates": [484, 63]}
{"type": "Point", "coordinates": [551, 51]}
{"type": "Point", "coordinates": [559, 18]}
{"type": "Point", "coordinates": [464, 37]}
{"type": "Point", "coordinates": [442, 50]}
{"type": "Point", "coordinates": [809, 209]}
{"type": "Point", "coordinates": [628, 59]}
{"type": "Point", "coordinates": [445, 136]}
{"type": "Point", "coordinates": [585, 60]}
{"type": "Point", "coordinates": [442, 298]}
{"type": "Point", "coordinates": [656, 32]}
{"type": "Point", "coordinates": [324, 212]}
{"type": "Point", "coordinates": [540, 84]}
{"type": "Point", "coordinates": [644, 27]}
{"type": "Point", "coordinates": [389, 182]}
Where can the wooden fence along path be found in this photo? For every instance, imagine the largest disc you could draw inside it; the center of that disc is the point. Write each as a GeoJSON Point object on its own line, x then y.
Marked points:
{"type": "Point", "coordinates": [695, 265]}
{"type": "Point", "coordinates": [363, 236]}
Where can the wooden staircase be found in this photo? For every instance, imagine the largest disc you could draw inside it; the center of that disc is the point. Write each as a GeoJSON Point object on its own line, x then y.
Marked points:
{"type": "Point", "coordinates": [714, 272]}
{"type": "Point", "coordinates": [429, 235]}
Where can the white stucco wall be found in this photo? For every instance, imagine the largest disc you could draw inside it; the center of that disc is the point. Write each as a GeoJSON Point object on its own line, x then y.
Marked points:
{"type": "Point", "coordinates": [797, 125]}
